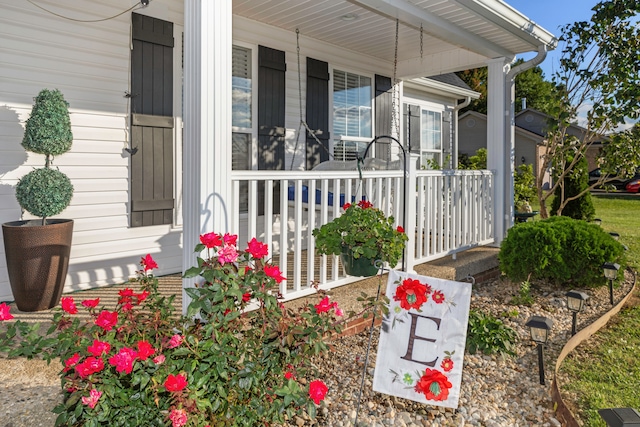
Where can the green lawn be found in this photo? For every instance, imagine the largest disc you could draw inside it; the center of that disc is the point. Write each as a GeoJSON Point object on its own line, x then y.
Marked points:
{"type": "Point", "coordinates": [605, 373]}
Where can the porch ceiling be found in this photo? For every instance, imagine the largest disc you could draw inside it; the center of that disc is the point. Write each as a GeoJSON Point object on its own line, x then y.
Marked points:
{"type": "Point", "coordinates": [469, 31]}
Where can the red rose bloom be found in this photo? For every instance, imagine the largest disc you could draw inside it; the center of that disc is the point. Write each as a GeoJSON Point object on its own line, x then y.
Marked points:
{"type": "Point", "coordinates": [91, 365]}
{"type": "Point", "coordinates": [91, 303]}
{"type": "Point", "coordinates": [289, 375]}
{"type": "Point", "coordinates": [437, 297]}
{"type": "Point", "coordinates": [230, 239]}
{"type": "Point", "coordinates": [71, 362]}
{"type": "Point", "coordinates": [434, 385]}
{"type": "Point", "coordinates": [411, 294]}
{"type": "Point", "coordinates": [98, 348]}
{"type": "Point", "coordinates": [323, 306]}
{"type": "Point", "coordinates": [145, 350]}
{"type": "Point", "coordinates": [4, 312]}
{"type": "Point", "coordinates": [68, 305]}
{"type": "Point", "coordinates": [175, 383]}
{"type": "Point", "coordinates": [211, 240]}
{"type": "Point", "coordinates": [274, 272]}
{"type": "Point", "coordinates": [107, 319]}
{"type": "Point", "coordinates": [148, 263]}
{"type": "Point", "coordinates": [317, 391]}
{"type": "Point", "coordinates": [257, 249]}
{"type": "Point", "coordinates": [123, 361]}
{"type": "Point", "coordinates": [447, 365]}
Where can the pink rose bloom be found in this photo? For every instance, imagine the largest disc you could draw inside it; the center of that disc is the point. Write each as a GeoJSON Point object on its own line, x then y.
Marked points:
{"type": "Point", "coordinates": [4, 312]}
{"type": "Point", "coordinates": [178, 417]}
{"type": "Point", "coordinates": [273, 271]}
{"type": "Point", "coordinates": [98, 348]}
{"type": "Point", "coordinates": [339, 311]}
{"type": "Point", "coordinates": [175, 341]}
{"type": "Point", "coordinates": [91, 303]}
{"type": "Point", "coordinates": [145, 350]}
{"type": "Point", "coordinates": [257, 249]}
{"type": "Point", "coordinates": [68, 305]}
{"type": "Point", "coordinates": [148, 263]}
{"type": "Point", "coordinates": [159, 359]}
{"type": "Point", "coordinates": [92, 400]}
{"type": "Point", "coordinates": [317, 391]}
{"type": "Point", "coordinates": [324, 305]}
{"type": "Point", "coordinates": [230, 239]}
{"type": "Point", "coordinates": [107, 319]}
{"type": "Point", "coordinates": [123, 361]}
{"type": "Point", "coordinates": [91, 365]}
{"type": "Point", "coordinates": [227, 254]}
{"type": "Point", "coordinates": [211, 240]}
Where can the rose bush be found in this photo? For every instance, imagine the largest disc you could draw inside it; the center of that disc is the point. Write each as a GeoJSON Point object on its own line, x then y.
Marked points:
{"type": "Point", "coordinates": [239, 358]}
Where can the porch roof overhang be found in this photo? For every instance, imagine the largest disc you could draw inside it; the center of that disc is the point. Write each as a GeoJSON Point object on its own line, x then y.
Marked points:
{"type": "Point", "coordinates": [456, 34]}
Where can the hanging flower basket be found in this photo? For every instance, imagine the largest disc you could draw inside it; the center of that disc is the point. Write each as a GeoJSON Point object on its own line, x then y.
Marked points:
{"type": "Point", "coordinates": [363, 267]}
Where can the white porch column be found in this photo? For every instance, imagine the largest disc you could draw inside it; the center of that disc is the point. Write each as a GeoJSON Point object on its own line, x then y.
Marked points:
{"type": "Point", "coordinates": [500, 150]}
{"type": "Point", "coordinates": [207, 123]}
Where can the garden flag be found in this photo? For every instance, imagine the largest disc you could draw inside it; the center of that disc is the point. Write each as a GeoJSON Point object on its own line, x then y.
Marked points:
{"type": "Point", "coordinates": [422, 340]}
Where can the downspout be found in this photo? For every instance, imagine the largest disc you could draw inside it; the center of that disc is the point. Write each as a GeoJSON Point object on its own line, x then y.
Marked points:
{"type": "Point", "coordinates": [510, 128]}
{"type": "Point", "coordinates": [454, 150]}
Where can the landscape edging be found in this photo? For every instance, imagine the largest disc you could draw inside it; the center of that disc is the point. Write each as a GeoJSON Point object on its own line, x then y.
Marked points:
{"type": "Point", "coordinates": [563, 413]}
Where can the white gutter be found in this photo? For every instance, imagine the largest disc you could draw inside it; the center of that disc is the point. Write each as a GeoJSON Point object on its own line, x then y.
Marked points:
{"type": "Point", "coordinates": [454, 150]}
{"type": "Point", "coordinates": [516, 23]}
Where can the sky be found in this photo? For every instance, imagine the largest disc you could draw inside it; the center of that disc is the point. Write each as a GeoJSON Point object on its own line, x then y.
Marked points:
{"type": "Point", "coordinates": [551, 15]}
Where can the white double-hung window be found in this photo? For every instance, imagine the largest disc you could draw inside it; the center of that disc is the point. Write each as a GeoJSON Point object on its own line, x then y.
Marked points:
{"type": "Point", "coordinates": [352, 114]}
{"type": "Point", "coordinates": [430, 139]}
{"type": "Point", "coordinates": [241, 117]}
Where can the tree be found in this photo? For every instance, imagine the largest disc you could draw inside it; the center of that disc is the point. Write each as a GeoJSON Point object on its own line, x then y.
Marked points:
{"type": "Point", "coordinates": [581, 206]}
{"type": "Point", "coordinates": [599, 74]}
{"type": "Point", "coordinates": [530, 85]}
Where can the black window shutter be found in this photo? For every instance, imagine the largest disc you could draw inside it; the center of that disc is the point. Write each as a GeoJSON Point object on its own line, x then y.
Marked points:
{"type": "Point", "coordinates": [152, 198]}
{"type": "Point", "coordinates": [271, 116]}
{"type": "Point", "coordinates": [383, 106]}
{"type": "Point", "coordinates": [317, 116]}
{"type": "Point", "coordinates": [411, 129]}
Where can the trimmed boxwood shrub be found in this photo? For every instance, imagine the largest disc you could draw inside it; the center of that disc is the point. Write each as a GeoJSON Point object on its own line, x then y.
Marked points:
{"type": "Point", "coordinates": [559, 249]}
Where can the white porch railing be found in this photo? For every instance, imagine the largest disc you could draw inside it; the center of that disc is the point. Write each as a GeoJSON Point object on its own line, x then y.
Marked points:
{"type": "Point", "coordinates": [450, 211]}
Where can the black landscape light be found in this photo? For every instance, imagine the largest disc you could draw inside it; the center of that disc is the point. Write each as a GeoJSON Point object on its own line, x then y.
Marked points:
{"type": "Point", "coordinates": [620, 417]}
{"type": "Point", "coordinates": [539, 328]}
{"type": "Point", "coordinates": [575, 302]}
{"type": "Point", "coordinates": [611, 273]}
{"type": "Point", "coordinates": [616, 236]}
{"type": "Point", "coordinates": [597, 221]}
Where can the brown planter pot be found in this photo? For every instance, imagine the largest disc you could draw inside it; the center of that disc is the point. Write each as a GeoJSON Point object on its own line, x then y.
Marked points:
{"type": "Point", "coordinates": [37, 261]}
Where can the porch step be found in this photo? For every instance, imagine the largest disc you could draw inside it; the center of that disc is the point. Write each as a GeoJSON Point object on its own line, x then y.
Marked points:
{"type": "Point", "coordinates": [481, 263]}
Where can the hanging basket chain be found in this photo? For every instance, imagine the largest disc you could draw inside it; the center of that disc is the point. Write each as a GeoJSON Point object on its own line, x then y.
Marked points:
{"type": "Point", "coordinates": [395, 116]}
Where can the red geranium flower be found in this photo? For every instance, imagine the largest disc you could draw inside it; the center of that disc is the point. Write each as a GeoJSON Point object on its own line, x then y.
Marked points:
{"type": "Point", "coordinates": [91, 303]}
{"type": "Point", "coordinates": [246, 297]}
{"type": "Point", "coordinates": [211, 240]}
{"type": "Point", "coordinates": [400, 229]}
{"type": "Point", "coordinates": [437, 297]}
{"type": "Point", "coordinates": [257, 249]}
{"type": "Point", "coordinates": [98, 348]}
{"type": "Point", "coordinates": [317, 391]}
{"type": "Point", "coordinates": [107, 319]}
{"type": "Point", "coordinates": [346, 206]}
{"type": "Point", "coordinates": [175, 383]}
{"type": "Point", "coordinates": [68, 305]}
{"type": "Point", "coordinates": [447, 364]}
{"type": "Point", "coordinates": [273, 271]}
{"type": "Point", "coordinates": [365, 204]}
{"type": "Point", "coordinates": [148, 263]}
{"type": "Point", "coordinates": [434, 385]}
{"type": "Point", "coordinates": [411, 294]}
{"type": "Point", "coordinates": [4, 312]}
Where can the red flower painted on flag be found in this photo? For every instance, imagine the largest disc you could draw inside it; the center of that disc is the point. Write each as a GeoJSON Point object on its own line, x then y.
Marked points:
{"type": "Point", "coordinates": [434, 385]}
{"type": "Point", "coordinates": [437, 297]}
{"type": "Point", "coordinates": [412, 294]}
{"type": "Point", "coordinates": [447, 364]}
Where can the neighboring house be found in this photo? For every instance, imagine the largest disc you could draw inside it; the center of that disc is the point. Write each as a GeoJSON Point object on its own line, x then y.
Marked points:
{"type": "Point", "coordinates": [536, 121]}
{"type": "Point", "coordinates": [186, 119]}
{"type": "Point", "coordinates": [528, 145]}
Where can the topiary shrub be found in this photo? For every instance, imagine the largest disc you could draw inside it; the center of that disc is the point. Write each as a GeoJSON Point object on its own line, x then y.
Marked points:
{"type": "Point", "coordinates": [559, 249]}
{"type": "Point", "coordinates": [46, 192]}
